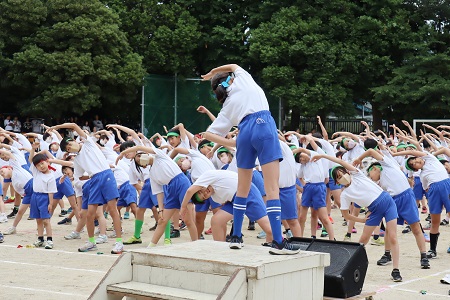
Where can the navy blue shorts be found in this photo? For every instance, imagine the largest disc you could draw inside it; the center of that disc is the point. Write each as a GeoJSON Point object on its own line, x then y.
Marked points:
{"type": "Point", "coordinates": [314, 195]}
{"type": "Point", "coordinates": [332, 185]}
{"type": "Point", "coordinates": [255, 207]}
{"type": "Point", "coordinates": [127, 194]}
{"type": "Point", "coordinates": [288, 199]}
{"type": "Point", "coordinates": [298, 182]}
{"type": "Point", "coordinates": [439, 196]}
{"type": "Point", "coordinates": [258, 138]}
{"type": "Point", "coordinates": [206, 205]}
{"type": "Point", "coordinates": [39, 206]}
{"type": "Point", "coordinates": [406, 207]}
{"type": "Point", "coordinates": [26, 167]}
{"type": "Point", "coordinates": [419, 192]}
{"type": "Point", "coordinates": [382, 207]}
{"type": "Point", "coordinates": [64, 189]}
{"type": "Point", "coordinates": [28, 192]}
{"type": "Point", "coordinates": [86, 193]}
{"type": "Point", "coordinates": [27, 156]}
{"type": "Point", "coordinates": [258, 181]}
{"type": "Point", "coordinates": [174, 192]}
{"type": "Point", "coordinates": [103, 188]}
{"type": "Point", "coordinates": [147, 199]}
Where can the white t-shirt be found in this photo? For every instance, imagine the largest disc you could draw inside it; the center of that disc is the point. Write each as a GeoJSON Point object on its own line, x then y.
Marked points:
{"type": "Point", "coordinates": [361, 191]}
{"type": "Point", "coordinates": [90, 158]}
{"type": "Point", "coordinates": [18, 155]}
{"type": "Point", "coordinates": [162, 171]}
{"type": "Point", "coordinates": [314, 172]}
{"type": "Point", "coordinates": [288, 168]}
{"type": "Point", "coordinates": [329, 150]}
{"type": "Point", "coordinates": [354, 153]}
{"type": "Point", "coordinates": [199, 165]}
{"type": "Point", "coordinates": [19, 176]}
{"type": "Point", "coordinates": [223, 182]}
{"type": "Point", "coordinates": [433, 171]}
{"type": "Point", "coordinates": [244, 97]}
{"type": "Point", "coordinates": [43, 183]}
{"type": "Point", "coordinates": [392, 179]}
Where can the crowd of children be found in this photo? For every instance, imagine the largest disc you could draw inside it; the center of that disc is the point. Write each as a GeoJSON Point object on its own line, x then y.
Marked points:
{"type": "Point", "coordinates": [252, 169]}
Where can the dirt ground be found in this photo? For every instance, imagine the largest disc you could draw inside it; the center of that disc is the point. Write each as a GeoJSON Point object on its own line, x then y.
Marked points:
{"type": "Point", "coordinates": [63, 273]}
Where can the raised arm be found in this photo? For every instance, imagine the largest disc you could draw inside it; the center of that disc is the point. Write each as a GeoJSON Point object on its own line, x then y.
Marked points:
{"type": "Point", "coordinates": [345, 164]}
{"type": "Point", "coordinates": [322, 128]}
{"type": "Point", "coordinates": [7, 153]}
{"type": "Point", "coordinates": [442, 150]}
{"type": "Point", "coordinates": [177, 151]}
{"type": "Point", "coordinates": [409, 152]}
{"type": "Point", "coordinates": [219, 139]}
{"type": "Point", "coordinates": [370, 152]}
{"type": "Point", "coordinates": [127, 130]}
{"type": "Point", "coordinates": [64, 163]}
{"type": "Point", "coordinates": [73, 126]}
{"type": "Point", "coordinates": [346, 134]}
{"type": "Point", "coordinates": [439, 133]}
{"type": "Point", "coordinates": [224, 68]}
{"type": "Point", "coordinates": [204, 110]}
{"type": "Point", "coordinates": [430, 142]}
{"type": "Point", "coordinates": [411, 130]}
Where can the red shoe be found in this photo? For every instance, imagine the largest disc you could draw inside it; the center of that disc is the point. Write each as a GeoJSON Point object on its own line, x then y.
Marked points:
{"type": "Point", "coordinates": [8, 200]}
{"type": "Point", "coordinates": [209, 231]}
{"type": "Point", "coordinates": [424, 210]}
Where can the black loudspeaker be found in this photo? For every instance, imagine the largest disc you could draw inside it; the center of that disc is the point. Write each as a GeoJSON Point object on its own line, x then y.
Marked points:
{"type": "Point", "coordinates": [301, 243]}
{"type": "Point", "coordinates": [348, 266]}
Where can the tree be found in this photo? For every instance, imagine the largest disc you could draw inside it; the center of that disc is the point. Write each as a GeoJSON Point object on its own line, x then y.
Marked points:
{"type": "Point", "coordinates": [74, 60]}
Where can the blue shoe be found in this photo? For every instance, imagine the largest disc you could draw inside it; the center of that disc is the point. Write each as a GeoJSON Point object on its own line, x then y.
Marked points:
{"type": "Point", "coordinates": [427, 237]}
{"type": "Point", "coordinates": [2, 238]}
{"type": "Point", "coordinates": [126, 215]}
{"type": "Point", "coordinates": [261, 235]}
{"type": "Point", "coordinates": [448, 250]}
{"type": "Point", "coordinates": [95, 223]}
{"type": "Point", "coordinates": [69, 210]}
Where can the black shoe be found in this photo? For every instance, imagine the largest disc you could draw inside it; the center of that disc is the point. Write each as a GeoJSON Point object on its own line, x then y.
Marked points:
{"type": "Point", "coordinates": [407, 229]}
{"type": "Point", "coordinates": [201, 237]}
{"type": "Point", "coordinates": [425, 263]}
{"type": "Point", "coordinates": [63, 213]}
{"type": "Point", "coordinates": [285, 248]}
{"type": "Point", "coordinates": [431, 254]}
{"type": "Point", "coordinates": [154, 227]}
{"type": "Point", "coordinates": [65, 221]}
{"type": "Point", "coordinates": [267, 244]}
{"type": "Point", "coordinates": [95, 223]}
{"type": "Point", "coordinates": [182, 225]}
{"type": "Point", "coordinates": [251, 225]}
{"type": "Point", "coordinates": [384, 260]}
{"type": "Point", "coordinates": [443, 222]}
{"type": "Point", "coordinates": [175, 234]}
{"type": "Point", "coordinates": [324, 233]}
{"type": "Point", "coordinates": [228, 238]}
{"type": "Point", "coordinates": [236, 242]}
{"type": "Point", "coordinates": [428, 219]}
{"type": "Point", "coordinates": [396, 277]}
{"type": "Point", "coordinates": [13, 214]}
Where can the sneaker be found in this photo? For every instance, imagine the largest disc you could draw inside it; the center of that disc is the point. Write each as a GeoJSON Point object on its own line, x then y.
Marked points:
{"type": "Point", "coordinates": [288, 234]}
{"type": "Point", "coordinates": [448, 250]}
{"type": "Point", "coordinates": [65, 221]}
{"type": "Point", "coordinates": [285, 248]}
{"type": "Point", "coordinates": [101, 239]}
{"type": "Point", "coordinates": [133, 240]}
{"type": "Point", "coordinates": [38, 243]}
{"type": "Point", "coordinates": [167, 242]}
{"type": "Point", "coordinates": [427, 226]}
{"type": "Point", "coordinates": [267, 244]}
{"type": "Point", "coordinates": [3, 218]}
{"type": "Point", "coordinates": [331, 219]}
{"type": "Point", "coordinates": [13, 214]}
{"type": "Point", "coordinates": [48, 244]}
{"type": "Point", "coordinates": [97, 231]}
{"type": "Point", "coordinates": [126, 215]}
{"type": "Point", "coordinates": [344, 223]}
{"type": "Point", "coordinates": [354, 230]}
{"type": "Point", "coordinates": [427, 237]}
{"type": "Point", "coordinates": [69, 210]}
{"type": "Point", "coordinates": [2, 239]}
{"type": "Point", "coordinates": [182, 225]}
{"type": "Point", "coordinates": [319, 226]}
{"type": "Point", "coordinates": [236, 242]}
{"type": "Point", "coordinates": [96, 223]}
{"type": "Point", "coordinates": [324, 233]}
{"type": "Point", "coordinates": [424, 263]}
{"type": "Point", "coordinates": [381, 233]}
{"type": "Point", "coordinates": [88, 247]}
{"type": "Point", "coordinates": [153, 228]}
{"type": "Point", "coordinates": [377, 242]}
{"type": "Point", "coordinates": [118, 248]}
{"type": "Point", "coordinates": [261, 235]}
{"type": "Point", "coordinates": [347, 238]}
{"type": "Point", "coordinates": [30, 219]}
{"type": "Point", "coordinates": [209, 231]}
{"type": "Point", "coordinates": [201, 237]}
{"type": "Point", "coordinates": [428, 218]}
{"type": "Point", "coordinates": [112, 235]}
{"type": "Point", "coordinates": [362, 210]}
{"type": "Point", "coordinates": [251, 225]}
{"type": "Point", "coordinates": [384, 260]}
{"type": "Point", "coordinates": [10, 230]}
{"type": "Point", "coordinates": [444, 222]}
{"type": "Point", "coordinates": [106, 215]}
{"type": "Point", "coordinates": [8, 200]}
{"type": "Point", "coordinates": [396, 277]}
{"type": "Point", "coordinates": [431, 254]}
{"type": "Point", "coordinates": [228, 238]}
{"type": "Point", "coordinates": [424, 210]}
{"type": "Point", "coordinates": [175, 234]}
{"type": "Point", "coordinates": [407, 229]}
{"type": "Point", "coordinates": [63, 213]}
{"type": "Point", "coordinates": [73, 236]}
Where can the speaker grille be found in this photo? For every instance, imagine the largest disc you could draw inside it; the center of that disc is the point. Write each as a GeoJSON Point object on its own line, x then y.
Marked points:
{"type": "Point", "coordinates": [339, 256]}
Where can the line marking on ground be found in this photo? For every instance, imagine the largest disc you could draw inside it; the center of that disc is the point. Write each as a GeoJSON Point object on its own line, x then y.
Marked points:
{"type": "Point", "coordinates": [62, 251]}
{"type": "Point", "coordinates": [43, 291]}
{"type": "Point", "coordinates": [426, 294]}
{"type": "Point", "coordinates": [49, 266]}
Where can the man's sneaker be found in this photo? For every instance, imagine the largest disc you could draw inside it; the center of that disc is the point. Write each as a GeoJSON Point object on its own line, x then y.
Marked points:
{"type": "Point", "coordinates": [209, 231]}
{"type": "Point", "coordinates": [133, 240]}
{"type": "Point", "coordinates": [427, 226]}
{"type": "Point", "coordinates": [424, 210]}
{"type": "Point", "coordinates": [444, 222]}
{"type": "Point", "coordinates": [175, 234]}
{"type": "Point", "coordinates": [251, 225]}
{"type": "Point", "coordinates": [38, 243]}
{"type": "Point", "coordinates": [424, 263]}
{"type": "Point", "coordinates": [101, 239]}
{"type": "Point", "coordinates": [48, 244]}
{"type": "Point", "coordinates": [118, 248]}
{"type": "Point", "coordinates": [396, 277]}
{"type": "Point", "coordinates": [428, 218]}
{"type": "Point", "coordinates": [126, 215]}
{"type": "Point", "coordinates": [88, 247]}
{"type": "Point", "coordinates": [236, 242]}
{"type": "Point", "coordinates": [377, 242]}
{"type": "Point", "coordinates": [154, 227]}
{"type": "Point", "coordinates": [431, 254]}
{"type": "Point", "coordinates": [285, 248]}
{"type": "Point", "coordinates": [73, 236]}
{"type": "Point", "coordinates": [65, 221]}
{"type": "Point", "coordinates": [182, 225]}
{"type": "Point", "coordinates": [2, 239]}
{"type": "Point", "coordinates": [384, 260]}
{"type": "Point", "coordinates": [347, 238]}
{"type": "Point", "coordinates": [267, 244]}
{"type": "Point", "coordinates": [288, 234]}
{"type": "Point", "coordinates": [13, 214]}
{"type": "Point", "coordinates": [10, 230]}
{"type": "Point", "coordinates": [63, 213]}
{"type": "Point", "coordinates": [324, 232]}
{"type": "Point", "coordinates": [261, 235]}
{"type": "Point", "coordinates": [427, 237]}
{"type": "Point", "coordinates": [407, 229]}
{"type": "Point", "coordinates": [167, 242]}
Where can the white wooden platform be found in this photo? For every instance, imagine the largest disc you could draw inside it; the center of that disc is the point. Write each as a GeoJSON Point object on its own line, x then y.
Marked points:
{"type": "Point", "coordinates": [210, 270]}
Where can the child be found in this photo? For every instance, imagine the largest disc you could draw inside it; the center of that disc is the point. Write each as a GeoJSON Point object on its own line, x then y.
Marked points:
{"type": "Point", "coordinates": [44, 186]}
{"type": "Point", "coordinates": [364, 192]}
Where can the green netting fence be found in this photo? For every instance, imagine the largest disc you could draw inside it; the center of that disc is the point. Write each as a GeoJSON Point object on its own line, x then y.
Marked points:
{"type": "Point", "coordinates": [169, 100]}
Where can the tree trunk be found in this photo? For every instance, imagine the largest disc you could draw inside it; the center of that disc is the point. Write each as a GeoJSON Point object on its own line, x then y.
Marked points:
{"type": "Point", "coordinates": [295, 118]}
{"type": "Point", "coordinates": [377, 117]}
